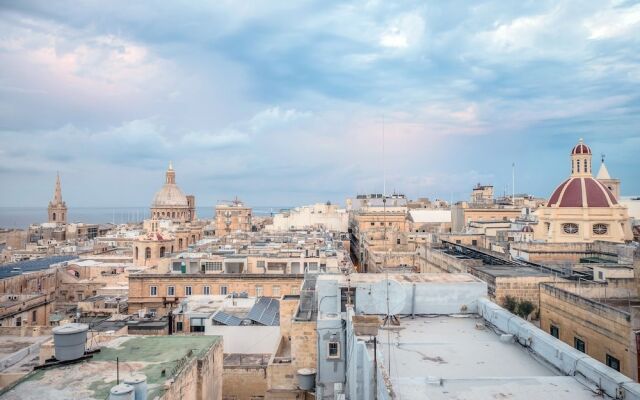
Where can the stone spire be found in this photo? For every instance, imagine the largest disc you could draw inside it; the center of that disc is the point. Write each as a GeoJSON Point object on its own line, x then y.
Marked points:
{"type": "Point", "coordinates": [603, 172]}
{"type": "Point", "coordinates": [57, 209]}
{"type": "Point", "coordinates": [57, 194]}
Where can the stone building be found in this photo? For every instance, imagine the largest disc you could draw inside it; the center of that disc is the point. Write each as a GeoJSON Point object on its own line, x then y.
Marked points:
{"type": "Point", "coordinates": [148, 249]}
{"type": "Point", "coordinates": [327, 215]}
{"type": "Point", "coordinates": [232, 218]}
{"type": "Point", "coordinates": [57, 209]}
{"type": "Point", "coordinates": [159, 293]}
{"type": "Point", "coordinates": [170, 203]}
{"type": "Point", "coordinates": [582, 209]}
{"type": "Point", "coordinates": [601, 320]}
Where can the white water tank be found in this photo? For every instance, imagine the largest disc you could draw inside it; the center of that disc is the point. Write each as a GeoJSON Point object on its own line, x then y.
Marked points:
{"type": "Point", "coordinates": [122, 392]}
{"type": "Point", "coordinates": [306, 379]}
{"type": "Point", "coordinates": [139, 384]}
{"type": "Point", "coordinates": [69, 341]}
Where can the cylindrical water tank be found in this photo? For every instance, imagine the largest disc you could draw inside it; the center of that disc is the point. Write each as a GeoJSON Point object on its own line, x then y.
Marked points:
{"type": "Point", "coordinates": [306, 378]}
{"type": "Point", "coordinates": [139, 384]}
{"type": "Point", "coordinates": [121, 392]}
{"type": "Point", "coordinates": [69, 341]}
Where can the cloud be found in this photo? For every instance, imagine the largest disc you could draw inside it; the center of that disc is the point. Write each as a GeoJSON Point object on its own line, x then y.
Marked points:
{"type": "Point", "coordinates": [277, 101]}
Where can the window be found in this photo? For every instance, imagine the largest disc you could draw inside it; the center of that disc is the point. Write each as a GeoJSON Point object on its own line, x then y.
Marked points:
{"type": "Point", "coordinates": [295, 290]}
{"type": "Point", "coordinates": [153, 290]}
{"type": "Point", "coordinates": [372, 224]}
{"type": "Point", "coordinates": [34, 316]}
{"type": "Point", "coordinates": [223, 290]}
{"type": "Point", "coordinates": [206, 290]}
{"type": "Point", "coordinates": [259, 291]}
{"type": "Point", "coordinates": [613, 362]}
{"type": "Point", "coordinates": [275, 291]}
{"type": "Point", "coordinates": [162, 250]}
{"type": "Point", "coordinates": [600, 275]}
{"type": "Point", "coordinates": [261, 264]}
{"type": "Point", "coordinates": [397, 241]}
{"type": "Point", "coordinates": [578, 164]}
{"type": "Point", "coordinates": [171, 290]}
{"type": "Point", "coordinates": [187, 290]}
{"type": "Point", "coordinates": [474, 242]}
{"type": "Point", "coordinates": [213, 266]}
{"type": "Point", "coordinates": [554, 331]}
{"type": "Point", "coordinates": [333, 350]}
{"type": "Point", "coordinates": [196, 324]}
{"type": "Point", "coordinates": [570, 229]}
{"type": "Point", "coordinates": [600, 229]}
{"type": "Point", "coordinates": [178, 326]}
{"type": "Point", "coordinates": [147, 253]}
{"type": "Point", "coordinates": [579, 344]}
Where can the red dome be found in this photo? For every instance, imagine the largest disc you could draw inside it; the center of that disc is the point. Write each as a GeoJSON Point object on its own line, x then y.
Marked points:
{"type": "Point", "coordinates": [581, 148]}
{"type": "Point", "coordinates": [570, 194]}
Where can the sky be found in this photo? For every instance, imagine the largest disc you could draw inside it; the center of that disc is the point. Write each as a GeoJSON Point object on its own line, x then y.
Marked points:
{"type": "Point", "coordinates": [287, 103]}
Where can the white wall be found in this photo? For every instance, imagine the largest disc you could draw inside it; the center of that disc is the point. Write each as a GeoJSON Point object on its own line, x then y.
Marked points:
{"type": "Point", "coordinates": [246, 339]}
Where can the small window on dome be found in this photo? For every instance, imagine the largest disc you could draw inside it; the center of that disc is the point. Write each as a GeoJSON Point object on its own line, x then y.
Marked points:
{"type": "Point", "coordinates": [600, 229]}
{"type": "Point", "coordinates": [578, 164]}
{"type": "Point", "coordinates": [570, 229]}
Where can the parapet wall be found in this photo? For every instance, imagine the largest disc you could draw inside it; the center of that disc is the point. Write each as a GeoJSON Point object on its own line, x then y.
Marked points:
{"type": "Point", "coordinates": [565, 358]}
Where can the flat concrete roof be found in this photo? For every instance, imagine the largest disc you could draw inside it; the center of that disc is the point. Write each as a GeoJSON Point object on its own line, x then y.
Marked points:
{"type": "Point", "coordinates": [449, 357]}
{"type": "Point", "coordinates": [92, 379]}
{"type": "Point", "coordinates": [410, 278]}
{"type": "Point", "coordinates": [510, 271]}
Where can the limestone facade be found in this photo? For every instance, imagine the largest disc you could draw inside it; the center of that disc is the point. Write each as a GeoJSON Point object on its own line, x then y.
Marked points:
{"type": "Point", "coordinates": [606, 331]}
{"type": "Point", "coordinates": [162, 292]}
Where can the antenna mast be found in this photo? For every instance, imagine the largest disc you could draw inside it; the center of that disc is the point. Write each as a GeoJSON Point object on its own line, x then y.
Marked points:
{"type": "Point", "coordinates": [384, 165]}
{"type": "Point", "coordinates": [513, 183]}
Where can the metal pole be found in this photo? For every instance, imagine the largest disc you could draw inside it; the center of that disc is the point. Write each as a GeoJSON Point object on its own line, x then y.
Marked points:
{"type": "Point", "coordinates": [117, 371]}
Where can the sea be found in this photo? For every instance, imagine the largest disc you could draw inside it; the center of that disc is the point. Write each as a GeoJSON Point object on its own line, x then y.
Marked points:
{"type": "Point", "coordinates": [22, 217]}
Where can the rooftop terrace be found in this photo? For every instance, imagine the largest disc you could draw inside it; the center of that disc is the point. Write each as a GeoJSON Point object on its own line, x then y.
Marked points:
{"type": "Point", "coordinates": [155, 356]}
{"type": "Point", "coordinates": [462, 358]}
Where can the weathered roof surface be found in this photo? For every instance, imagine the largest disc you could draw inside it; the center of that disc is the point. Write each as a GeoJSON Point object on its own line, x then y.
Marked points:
{"type": "Point", "coordinates": [92, 379]}
{"type": "Point", "coordinates": [455, 358]}
{"type": "Point", "coordinates": [411, 278]}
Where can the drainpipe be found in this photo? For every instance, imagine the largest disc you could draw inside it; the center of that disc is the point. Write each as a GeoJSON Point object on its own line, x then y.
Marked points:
{"type": "Point", "coordinates": [413, 301]}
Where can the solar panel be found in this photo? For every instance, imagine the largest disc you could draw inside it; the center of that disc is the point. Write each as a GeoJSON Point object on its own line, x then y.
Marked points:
{"type": "Point", "coordinates": [31, 265]}
{"type": "Point", "coordinates": [226, 319]}
{"type": "Point", "coordinates": [266, 311]}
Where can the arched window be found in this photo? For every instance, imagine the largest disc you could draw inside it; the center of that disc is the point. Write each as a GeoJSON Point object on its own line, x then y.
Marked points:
{"type": "Point", "coordinates": [147, 253]}
{"type": "Point", "coordinates": [180, 244]}
{"type": "Point", "coordinates": [586, 164]}
{"type": "Point", "coordinates": [54, 216]}
{"type": "Point", "coordinates": [136, 252]}
{"type": "Point", "coordinates": [578, 166]}
{"type": "Point", "coordinates": [173, 214]}
{"type": "Point", "coordinates": [172, 249]}
{"type": "Point", "coordinates": [162, 251]}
